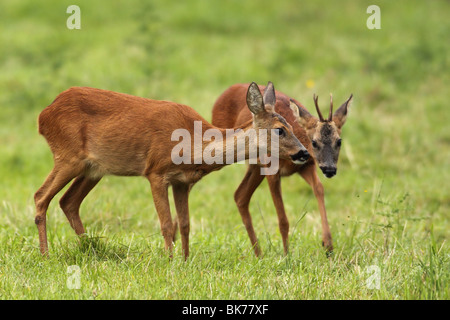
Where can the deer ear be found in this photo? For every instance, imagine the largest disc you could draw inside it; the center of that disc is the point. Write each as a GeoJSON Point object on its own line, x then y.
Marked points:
{"type": "Point", "coordinates": [340, 115]}
{"type": "Point", "coordinates": [255, 99]}
{"type": "Point", "coordinates": [301, 114]}
{"type": "Point", "coordinates": [269, 97]}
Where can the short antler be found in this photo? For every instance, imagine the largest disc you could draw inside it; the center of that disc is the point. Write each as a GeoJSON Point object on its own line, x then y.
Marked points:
{"type": "Point", "coordinates": [316, 98]}
{"type": "Point", "coordinates": [330, 116]}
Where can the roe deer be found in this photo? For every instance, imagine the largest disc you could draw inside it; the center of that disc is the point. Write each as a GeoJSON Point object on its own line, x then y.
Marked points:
{"type": "Point", "coordinates": [321, 137]}
{"type": "Point", "coordinates": [94, 132]}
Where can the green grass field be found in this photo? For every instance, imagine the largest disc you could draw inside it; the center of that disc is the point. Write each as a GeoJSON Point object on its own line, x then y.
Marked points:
{"type": "Point", "coordinates": [388, 206]}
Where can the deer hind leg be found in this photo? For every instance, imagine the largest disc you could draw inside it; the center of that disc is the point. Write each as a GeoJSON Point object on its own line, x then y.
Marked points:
{"type": "Point", "coordinates": [161, 199]}
{"type": "Point", "coordinates": [72, 199]}
{"type": "Point", "coordinates": [181, 195]}
{"type": "Point", "coordinates": [242, 197]}
{"type": "Point", "coordinates": [57, 179]}
{"type": "Point", "coordinates": [283, 223]}
{"type": "Point", "coordinates": [311, 177]}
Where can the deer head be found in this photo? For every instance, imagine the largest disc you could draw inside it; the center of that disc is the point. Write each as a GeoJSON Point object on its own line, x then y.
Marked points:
{"type": "Point", "coordinates": [265, 117]}
{"type": "Point", "coordinates": [325, 134]}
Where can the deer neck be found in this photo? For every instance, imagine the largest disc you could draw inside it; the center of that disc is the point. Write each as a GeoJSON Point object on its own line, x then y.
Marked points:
{"type": "Point", "coordinates": [221, 147]}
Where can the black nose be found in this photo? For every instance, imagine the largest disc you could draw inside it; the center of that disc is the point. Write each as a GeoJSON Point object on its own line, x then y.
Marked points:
{"type": "Point", "coordinates": [329, 171]}
{"type": "Point", "coordinates": [300, 156]}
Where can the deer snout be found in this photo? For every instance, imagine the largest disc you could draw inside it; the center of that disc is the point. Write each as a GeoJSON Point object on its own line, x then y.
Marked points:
{"type": "Point", "coordinates": [300, 157]}
{"type": "Point", "coordinates": [328, 171]}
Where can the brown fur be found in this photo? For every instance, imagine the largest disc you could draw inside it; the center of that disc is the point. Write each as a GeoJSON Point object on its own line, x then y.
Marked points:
{"type": "Point", "coordinates": [94, 132]}
{"type": "Point", "coordinates": [229, 111]}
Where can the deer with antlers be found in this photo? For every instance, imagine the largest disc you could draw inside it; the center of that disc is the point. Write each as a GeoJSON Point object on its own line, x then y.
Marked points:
{"type": "Point", "coordinates": [93, 133]}
{"type": "Point", "coordinates": [320, 136]}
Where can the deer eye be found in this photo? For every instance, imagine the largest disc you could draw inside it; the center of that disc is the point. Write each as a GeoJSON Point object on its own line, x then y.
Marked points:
{"type": "Point", "coordinates": [314, 144]}
{"type": "Point", "coordinates": [280, 131]}
{"type": "Point", "coordinates": [339, 142]}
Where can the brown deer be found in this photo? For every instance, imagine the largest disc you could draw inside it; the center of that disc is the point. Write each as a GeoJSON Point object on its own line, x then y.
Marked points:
{"type": "Point", "coordinates": [320, 136]}
{"type": "Point", "coordinates": [93, 132]}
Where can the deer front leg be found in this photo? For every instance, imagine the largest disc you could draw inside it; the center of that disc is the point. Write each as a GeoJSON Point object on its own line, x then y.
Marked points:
{"type": "Point", "coordinates": [181, 195]}
{"type": "Point", "coordinates": [161, 199]}
{"type": "Point", "coordinates": [242, 197]}
{"type": "Point", "coordinates": [310, 175]}
{"type": "Point", "coordinates": [283, 223]}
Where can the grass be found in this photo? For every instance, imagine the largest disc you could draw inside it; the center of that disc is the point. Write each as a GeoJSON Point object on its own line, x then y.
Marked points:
{"type": "Point", "coordinates": [388, 206]}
